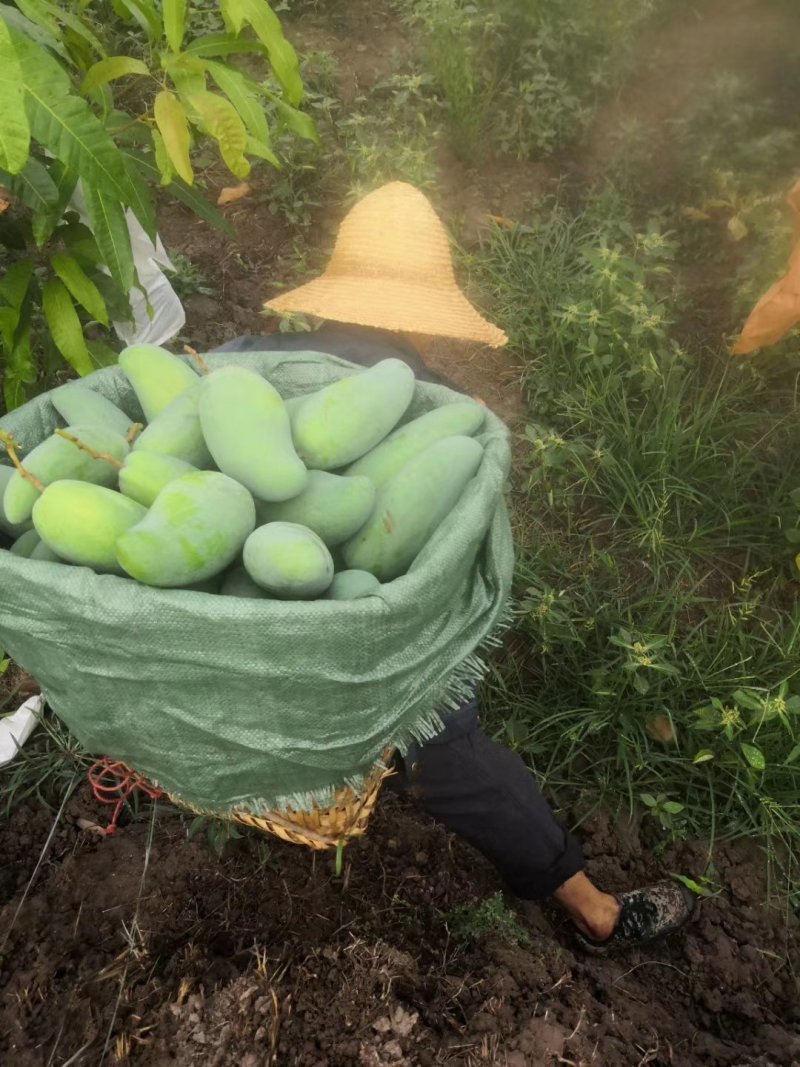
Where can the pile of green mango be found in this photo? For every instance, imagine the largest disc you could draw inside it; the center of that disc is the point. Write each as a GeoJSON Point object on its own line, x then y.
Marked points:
{"type": "Point", "coordinates": [231, 489]}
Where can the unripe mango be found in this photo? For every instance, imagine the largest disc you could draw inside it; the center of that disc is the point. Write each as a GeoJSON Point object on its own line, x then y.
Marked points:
{"type": "Point", "coordinates": [144, 475]}
{"type": "Point", "coordinates": [344, 420]}
{"type": "Point", "coordinates": [78, 404]}
{"type": "Point", "coordinates": [392, 454]}
{"type": "Point", "coordinates": [411, 505]}
{"type": "Point", "coordinates": [14, 530]}
{"type": "Point", "coordinates": [158, 378]}
{"type": "Point", "coordinates": [177, 432]}
{"type": "Point", "coordinates": [293, 403]}
{"type": "Point", "coordinates": [82, 522]}
{"type": "Point", "coordinates": [288, 561]}
{"type": "Point", "coordinates": [45, 552]}
{"type": "Point", "coordinates": [194, 529]}
{"type": "Point", "coordinates": [332, 506]}
{"type": "Point", "coordinates": [56, 458]}
{"type": "Point", "coordinates": [26, 544]}
{"type": "Point", "coordinates": [248, 433]}
{"type": "Point", "coordinates": [352, 585]}
{"type": "Point", "coordinates": [237, 582]}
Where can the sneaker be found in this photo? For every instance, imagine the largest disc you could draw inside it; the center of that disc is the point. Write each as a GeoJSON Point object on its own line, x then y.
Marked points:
{"type": "Point", "coordinates": [646, 915]}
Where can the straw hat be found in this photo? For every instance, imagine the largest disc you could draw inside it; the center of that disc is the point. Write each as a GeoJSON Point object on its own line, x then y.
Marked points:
{"type": "Point", "coordinates": [391, 269]}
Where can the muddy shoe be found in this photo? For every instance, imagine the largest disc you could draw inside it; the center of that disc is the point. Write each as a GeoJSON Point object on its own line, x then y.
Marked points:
{"type": "Point", "coordinates": [645, 915]}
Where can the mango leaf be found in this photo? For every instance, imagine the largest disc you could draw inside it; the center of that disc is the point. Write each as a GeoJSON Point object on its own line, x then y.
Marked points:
{"type": "Point", "coordinates": [174, 14]}
{"type": "Point", "coordinates": [188, 73]}
{"type": "Point", "coordinates": [218, 118]}
{"type": "Point", "coordinates": [65, 326]}
{"type": "Point", "coordinates": [185, 193]}
{"type": "Point", "coordinates": [143, 12]}
{"type": "Point", "coordinates": [141, 199]}
{"type": "Point", "coordinates": [267, 27]}
{"type": "Point", "coordinates": [80, 286]}
{"type": "Point", "coordinates": [14, 283]}
{"type": "Point", "coordinates": [243, 94]}
{"type": "Point", "coordinates": [110, 69]}
{"type": "Point", "coordinates": [20, 369]}
{"type": "Point", "coordinates": [222, 44]}
{"type": "Point", "coordinates": [754, 756]}
{"type": "Point", "coordinates": [15, 134]}
{"type": "Point", "coordinates": [48, 15]}
{"type": "Point", "coordinates": [111, 233]}
{"type": "Point", "coordinates": [33, 185]}
{"type": "Point", "coordinates": [163, 162]}
{"type": "Point", "coordinates": [174, 129]}
{"type": "Point", "coordinates": [295, 120]}
{"type": "Point", "coordinates": [102, 354]}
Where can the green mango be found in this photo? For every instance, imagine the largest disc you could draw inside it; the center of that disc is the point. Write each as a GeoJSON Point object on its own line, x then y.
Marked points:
{"type": "Point", "coordinates": [144, 475]}
{"type": "Point", "coordinates": [391, 455]}
{"type": "Point", "coordinates": [13, 529]}
{"type": "Point", "coordinates": [343, 421]}
{"type": "Point", "coordinates": [249, 435]}
{"type": "Point", "coordinates": [352, 585]}
{"type": "Point", "coordinates": [332, 506]}
{"type": "Point", "coordinates": [158, 378]}
{"type": "Point", "coordinates": [194, 529]}
{"type": "Point", "coordinates": [25, 544]}
{"type": "Point", "coordinates": [177, 432]}
{"type": "Point", "coordinates": [82, 522]}
{"type": "Point", "coordinates": [44, 552]}
{"type": "Point", "coordinates": [78, 404]}
{"type": "Point", "coordinates": [288, 561]}
{"type": "Point", "coordinates": [294, 403]}
{"type": "Point", "coordinates": [237, 582]}
{"type": "Point", "coordinates": [411, 505]}
{"type": "Point", "coordinates": [56, 458]}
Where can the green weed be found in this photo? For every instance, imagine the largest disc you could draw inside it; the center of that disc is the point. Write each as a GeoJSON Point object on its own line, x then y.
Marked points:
{"type": "Point", "coordinates": [490, 917]}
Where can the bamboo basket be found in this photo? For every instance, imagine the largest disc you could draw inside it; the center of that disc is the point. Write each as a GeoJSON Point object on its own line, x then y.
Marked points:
{"type": "Point", "coordinates": [320, 829]}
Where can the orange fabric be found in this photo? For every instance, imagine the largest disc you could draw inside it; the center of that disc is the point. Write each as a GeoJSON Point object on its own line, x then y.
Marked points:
{"type": "Point", "coordinates": [778, 310]}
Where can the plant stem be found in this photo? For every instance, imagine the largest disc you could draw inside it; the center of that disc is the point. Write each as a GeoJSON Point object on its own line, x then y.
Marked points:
{"type": "Point", "coordinates": [195, 355]}
{"type": "Point", "coordinates": [85, 448]}
{"type": "Point", "coordinates": [134, 431]}
{"type": "Point", "coordinates": [10, 445]}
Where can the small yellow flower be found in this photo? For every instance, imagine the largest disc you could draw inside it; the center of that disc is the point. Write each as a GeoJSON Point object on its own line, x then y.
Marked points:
{"type": "Point", "coordinates": [644, 661]}
{"type": "Point", "coordinates": [594, 317]}
{"type": "Point", "coordinates": [730, 716]}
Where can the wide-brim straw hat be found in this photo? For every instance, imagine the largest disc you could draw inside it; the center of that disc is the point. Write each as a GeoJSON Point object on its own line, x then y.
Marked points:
{"type": "Point", "coordinates": [391, 268]}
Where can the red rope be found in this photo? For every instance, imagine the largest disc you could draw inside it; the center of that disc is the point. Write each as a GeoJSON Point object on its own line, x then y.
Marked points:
{"type": "Point", "coordinates": [113, 782]}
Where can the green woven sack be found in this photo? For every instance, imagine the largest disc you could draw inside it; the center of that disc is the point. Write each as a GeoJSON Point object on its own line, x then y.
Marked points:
{"type": "Point", "coordinates": [256, 705]}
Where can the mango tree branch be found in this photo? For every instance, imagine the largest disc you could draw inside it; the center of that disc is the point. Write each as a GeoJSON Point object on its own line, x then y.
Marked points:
{"type": "Point", "coordinates": [11, 446]}
{"type": "Point", "coordinates": [85, 448]}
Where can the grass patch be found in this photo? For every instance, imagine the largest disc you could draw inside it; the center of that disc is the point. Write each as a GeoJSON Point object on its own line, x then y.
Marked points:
{"type": "Point", "coordinates": [656, 659]}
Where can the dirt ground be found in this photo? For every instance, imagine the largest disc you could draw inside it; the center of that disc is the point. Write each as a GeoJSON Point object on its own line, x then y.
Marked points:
{"type": "Point", "coordinates": [266, 958]}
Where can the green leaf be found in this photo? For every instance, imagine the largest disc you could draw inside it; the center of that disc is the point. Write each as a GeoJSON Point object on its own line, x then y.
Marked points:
{"type": "Point", "coordinates": [65, 326]}
{"type": "Point", "coordinates": [218, 118]}
{"type": "Point", "coordinates": [282, 57]}
{"type": "Point", "coordinates": [187, 195]}
{"type": "Point", "coordinates": [49, 15]}
{"type": "Point", "coordinates": [649, 800]}
{"type": "Point", "coordinates": [110, 69]}
{"type": "Point", "coordinates": [20, 369]}
{"type": "Point", "coordinates": [794, 755]}
{"type": "Point", "coordinates": [640, 683]}
{"type": "Point", "coordinates": [15, 134]}
{"type": "Point", "coordinates": [672, 807]}
{"type": "Point", "coordinates": [102, 354]}
{"type": "Point", "coordinates": [174, 129]}
{"type": "Point", "coordinates": [34, 186]}
{"type": "Point", "coordinates": [188, 73]}
{"type": "Point", "coordinates": [163, 162]}
{"type": "Point", "coordinates": [695, 887]}
{"type": "Point", "coordinates": [294, 119]}
{"type": "Point", "coordinates": [81, 287]}
{"type": "Point", "coordinates": [111, 233]}
{"type": "Point", "coordinates": [174, 14]}
{"type": "Point", "coordinates": [143, 12]}
{"type": "Point", "coordinates": [14, 283]}
{"type": "Point", "coordinates": [703, 756]}
{"type": "Point", "coordinates": [243, 94]}
{"type": "Point", "coordinates": [754, 756]}
{"type": "Point", "coordinates": [141, 199]}
{"type": "Point", "coordinates": [222, 44]}
{"type": "Point", "coordinates": [16, 21]}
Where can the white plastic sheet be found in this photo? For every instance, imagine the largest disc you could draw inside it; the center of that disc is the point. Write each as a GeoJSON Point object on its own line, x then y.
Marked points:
{"type": "Point", "coordinates": [15, 729]}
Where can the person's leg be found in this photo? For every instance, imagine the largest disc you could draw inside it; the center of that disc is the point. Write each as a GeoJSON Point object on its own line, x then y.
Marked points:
{"type": "Point", "coordinates": [486, 795]}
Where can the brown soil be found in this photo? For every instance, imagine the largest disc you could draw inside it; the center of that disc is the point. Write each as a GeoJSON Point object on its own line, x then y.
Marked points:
{"type": "Point", "coordinates": [265, 958]}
